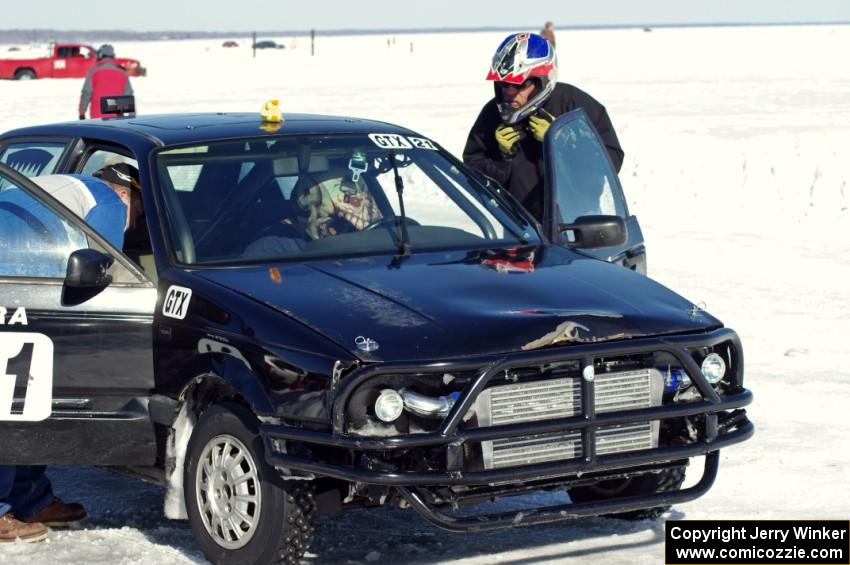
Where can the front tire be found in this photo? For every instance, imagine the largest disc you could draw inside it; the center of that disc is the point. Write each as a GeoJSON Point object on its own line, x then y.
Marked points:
{"type": "Point", "coordinates": [668, 480]}
{"type": "Point", "coordinates": [240, 509]}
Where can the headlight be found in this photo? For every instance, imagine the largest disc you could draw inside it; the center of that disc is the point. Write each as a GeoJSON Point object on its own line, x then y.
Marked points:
{"type": "Point", "coordinates": [713, 367]}
{"type": "Point", "coordinates": [389, 405]}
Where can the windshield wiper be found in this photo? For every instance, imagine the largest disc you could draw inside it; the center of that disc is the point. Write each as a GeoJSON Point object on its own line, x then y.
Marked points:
{"type": "Point", "coordinates": [513, 207]}
{"type": "Point", "coordinates": [403, 236]}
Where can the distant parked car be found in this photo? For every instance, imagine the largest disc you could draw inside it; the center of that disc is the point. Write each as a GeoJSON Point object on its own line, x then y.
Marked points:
{"type": "Point", "coordinates": [268, 44]}
{"type": "Point", "coordinates": [230, 44]}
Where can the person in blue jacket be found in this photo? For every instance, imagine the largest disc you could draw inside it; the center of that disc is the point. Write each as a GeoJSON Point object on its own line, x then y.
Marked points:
{"type": "Point", "coordinates": [35, 240]}
{"type": "Point", "coordinates": [111, 203]}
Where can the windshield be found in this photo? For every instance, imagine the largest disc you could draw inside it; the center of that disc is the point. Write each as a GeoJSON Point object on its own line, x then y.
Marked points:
{"type": "Point", "coordinates": [323, 196]}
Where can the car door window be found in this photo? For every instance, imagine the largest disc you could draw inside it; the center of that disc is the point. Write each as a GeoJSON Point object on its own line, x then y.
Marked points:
{"type": "Point", "coordinates": [101, 157]}
{"type": "Point", "coordinates": [137, 245]}
{"type": "Point", "coordinates": [583, 178]}
{"type": "Point", "coordinates": [32, 158]}
{"type": "Point", "coordinates": [581, 181]}
{"type": "Point", "coordinates": [35, 240]}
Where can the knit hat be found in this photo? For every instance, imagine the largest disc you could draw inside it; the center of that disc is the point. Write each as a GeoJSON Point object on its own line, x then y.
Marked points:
{"type": "Point", "coordinates": [105, 50]}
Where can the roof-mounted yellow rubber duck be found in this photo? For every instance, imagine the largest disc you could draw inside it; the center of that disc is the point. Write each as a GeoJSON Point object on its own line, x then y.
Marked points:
{"type": "Point", "coordinates": [271, 116]}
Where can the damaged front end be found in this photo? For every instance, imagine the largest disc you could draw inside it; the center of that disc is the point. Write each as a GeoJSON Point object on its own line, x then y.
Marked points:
{"type": "Point", "coordinates": [436, 436]}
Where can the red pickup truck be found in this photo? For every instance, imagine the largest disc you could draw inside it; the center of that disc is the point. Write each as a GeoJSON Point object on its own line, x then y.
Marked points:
{"type": "Point", "coordinates": [65, 60]}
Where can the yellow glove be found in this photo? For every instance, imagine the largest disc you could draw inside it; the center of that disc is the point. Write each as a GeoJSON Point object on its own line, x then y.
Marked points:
{"type": "Point", "coordinates": [506, 137]}
{"type": "Point", "coordinates": [539, 123]}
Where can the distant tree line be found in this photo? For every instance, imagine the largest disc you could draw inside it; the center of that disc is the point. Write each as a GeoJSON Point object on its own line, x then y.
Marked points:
{"type": "Point", "coordinates": [8, 36]}
{"type": "Point", "coordinates": [89, 36]}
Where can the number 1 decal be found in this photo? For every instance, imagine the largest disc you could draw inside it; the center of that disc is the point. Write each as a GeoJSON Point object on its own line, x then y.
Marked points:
{"type": "Point", "coordinates": [26, 366]}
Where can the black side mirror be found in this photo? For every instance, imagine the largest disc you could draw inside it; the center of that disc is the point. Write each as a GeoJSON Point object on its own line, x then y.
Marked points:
{"type": "Point", "coordinates": [595, 231]}
{"type": "Point", "coordinates": [87, 269]}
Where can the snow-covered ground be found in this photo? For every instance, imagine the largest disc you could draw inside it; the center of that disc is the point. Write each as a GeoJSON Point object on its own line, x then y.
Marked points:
{"type": "Point", "coordinates": [737, 164]}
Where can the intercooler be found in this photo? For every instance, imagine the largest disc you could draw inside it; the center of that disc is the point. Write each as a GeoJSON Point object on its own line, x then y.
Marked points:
{"type": "Point", "coordinates": [561, 398]}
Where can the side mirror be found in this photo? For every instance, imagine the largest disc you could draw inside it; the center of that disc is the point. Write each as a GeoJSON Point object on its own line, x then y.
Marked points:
{"type": "Point", "coordinates": [595, 231]}
{"type": "Point", "coordinates": [87, 269]}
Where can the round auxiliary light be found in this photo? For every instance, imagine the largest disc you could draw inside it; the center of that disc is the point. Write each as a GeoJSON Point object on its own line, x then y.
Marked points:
{"type": "Point", "coordinates": [389, 405]}
{"type": "Point", "coordinates": [713, 367]}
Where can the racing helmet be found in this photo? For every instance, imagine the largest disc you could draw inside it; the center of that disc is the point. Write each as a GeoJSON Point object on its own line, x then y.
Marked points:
{"type": "Point", "coordinates": [520, 57]}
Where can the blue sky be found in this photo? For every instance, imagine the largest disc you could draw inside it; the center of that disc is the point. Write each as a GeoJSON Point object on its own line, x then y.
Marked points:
{"type": "Point", "coordinates": [247, 15]}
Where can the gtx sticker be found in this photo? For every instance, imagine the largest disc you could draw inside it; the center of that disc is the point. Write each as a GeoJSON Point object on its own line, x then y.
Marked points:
{"type": "Point", "coordinates": [176, 303]}
{"type": "Point", "coordinates": [26, 364]}
{"type": "Point", "coordinates": [19, 316]}
{"type": "Point", "coordinates": [422, 143]}
{"type": "Point", "coordinates": [394, 141]}
{"type": "Point", "coordinates": [390, 141]}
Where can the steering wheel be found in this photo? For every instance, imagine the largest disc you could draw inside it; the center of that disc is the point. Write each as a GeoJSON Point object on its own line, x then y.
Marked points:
{"type": "Point", "coordinates": [391, 222]}
{"type": "Point", "coordinates": [282, 229]}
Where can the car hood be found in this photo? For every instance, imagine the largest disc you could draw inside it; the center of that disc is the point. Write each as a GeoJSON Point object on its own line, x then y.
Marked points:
{"type": "Point", "coordinates": [459, 304]}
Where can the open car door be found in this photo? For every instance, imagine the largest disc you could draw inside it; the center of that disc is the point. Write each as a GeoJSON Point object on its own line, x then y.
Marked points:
{"type": "Point", "coordinates": [76, 357]}
{"type": "Point", "coordinates": [580, 181]}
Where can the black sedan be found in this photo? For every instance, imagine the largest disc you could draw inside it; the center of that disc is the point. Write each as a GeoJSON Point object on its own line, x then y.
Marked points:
{"type": "Point", "coordinates": [268, 44]}
{"type": "Point", "coordinates": [324, 313]}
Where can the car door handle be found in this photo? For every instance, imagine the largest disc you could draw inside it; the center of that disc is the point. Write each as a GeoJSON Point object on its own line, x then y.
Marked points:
{"type": "Point", "coordinates": [71, 403]}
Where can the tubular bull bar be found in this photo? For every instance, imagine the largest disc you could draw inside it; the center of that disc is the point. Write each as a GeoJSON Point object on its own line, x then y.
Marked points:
{"type": "Point", "coordinates": [408, 483]}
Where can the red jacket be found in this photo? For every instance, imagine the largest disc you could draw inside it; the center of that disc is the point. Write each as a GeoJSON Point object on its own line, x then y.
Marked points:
{"type": "Point", "coordinates": [106, 78]}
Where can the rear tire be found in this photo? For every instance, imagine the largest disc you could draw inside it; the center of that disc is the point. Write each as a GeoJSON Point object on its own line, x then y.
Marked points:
{"type": "Point", "coordinates": [24, 74]}
{"type": "Point", "coordinates": [240, 509]}
{"type": "Point", "coordinates": [668, 480]}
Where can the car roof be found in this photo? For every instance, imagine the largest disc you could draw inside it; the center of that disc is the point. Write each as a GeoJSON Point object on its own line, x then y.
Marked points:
{"type": "Point", "coordinates": [175, 129]}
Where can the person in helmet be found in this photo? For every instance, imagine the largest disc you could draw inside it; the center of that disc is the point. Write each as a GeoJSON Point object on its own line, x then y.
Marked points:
{"type": "Point", "coordinates": [505, 143]}
{"type": "Point", "coordinates": [105, 78]}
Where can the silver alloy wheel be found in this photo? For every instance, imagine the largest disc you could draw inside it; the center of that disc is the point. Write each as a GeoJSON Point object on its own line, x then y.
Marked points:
{"type": "Point", "coordinates": [227, 490]}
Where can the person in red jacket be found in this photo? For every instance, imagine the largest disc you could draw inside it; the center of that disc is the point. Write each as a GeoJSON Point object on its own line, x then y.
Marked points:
{"type": "Point", "coordinates": [106, 78]}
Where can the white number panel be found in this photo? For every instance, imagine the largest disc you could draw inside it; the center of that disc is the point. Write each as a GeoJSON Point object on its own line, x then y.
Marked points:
{"type": "Point", "coordinates": [26, 361]}
{"type": "Point", "coordinates": [422, 143]}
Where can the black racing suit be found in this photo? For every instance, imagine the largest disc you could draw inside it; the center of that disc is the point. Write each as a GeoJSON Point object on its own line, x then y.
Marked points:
{"type": "Point", "coordinates": [522, 174]}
